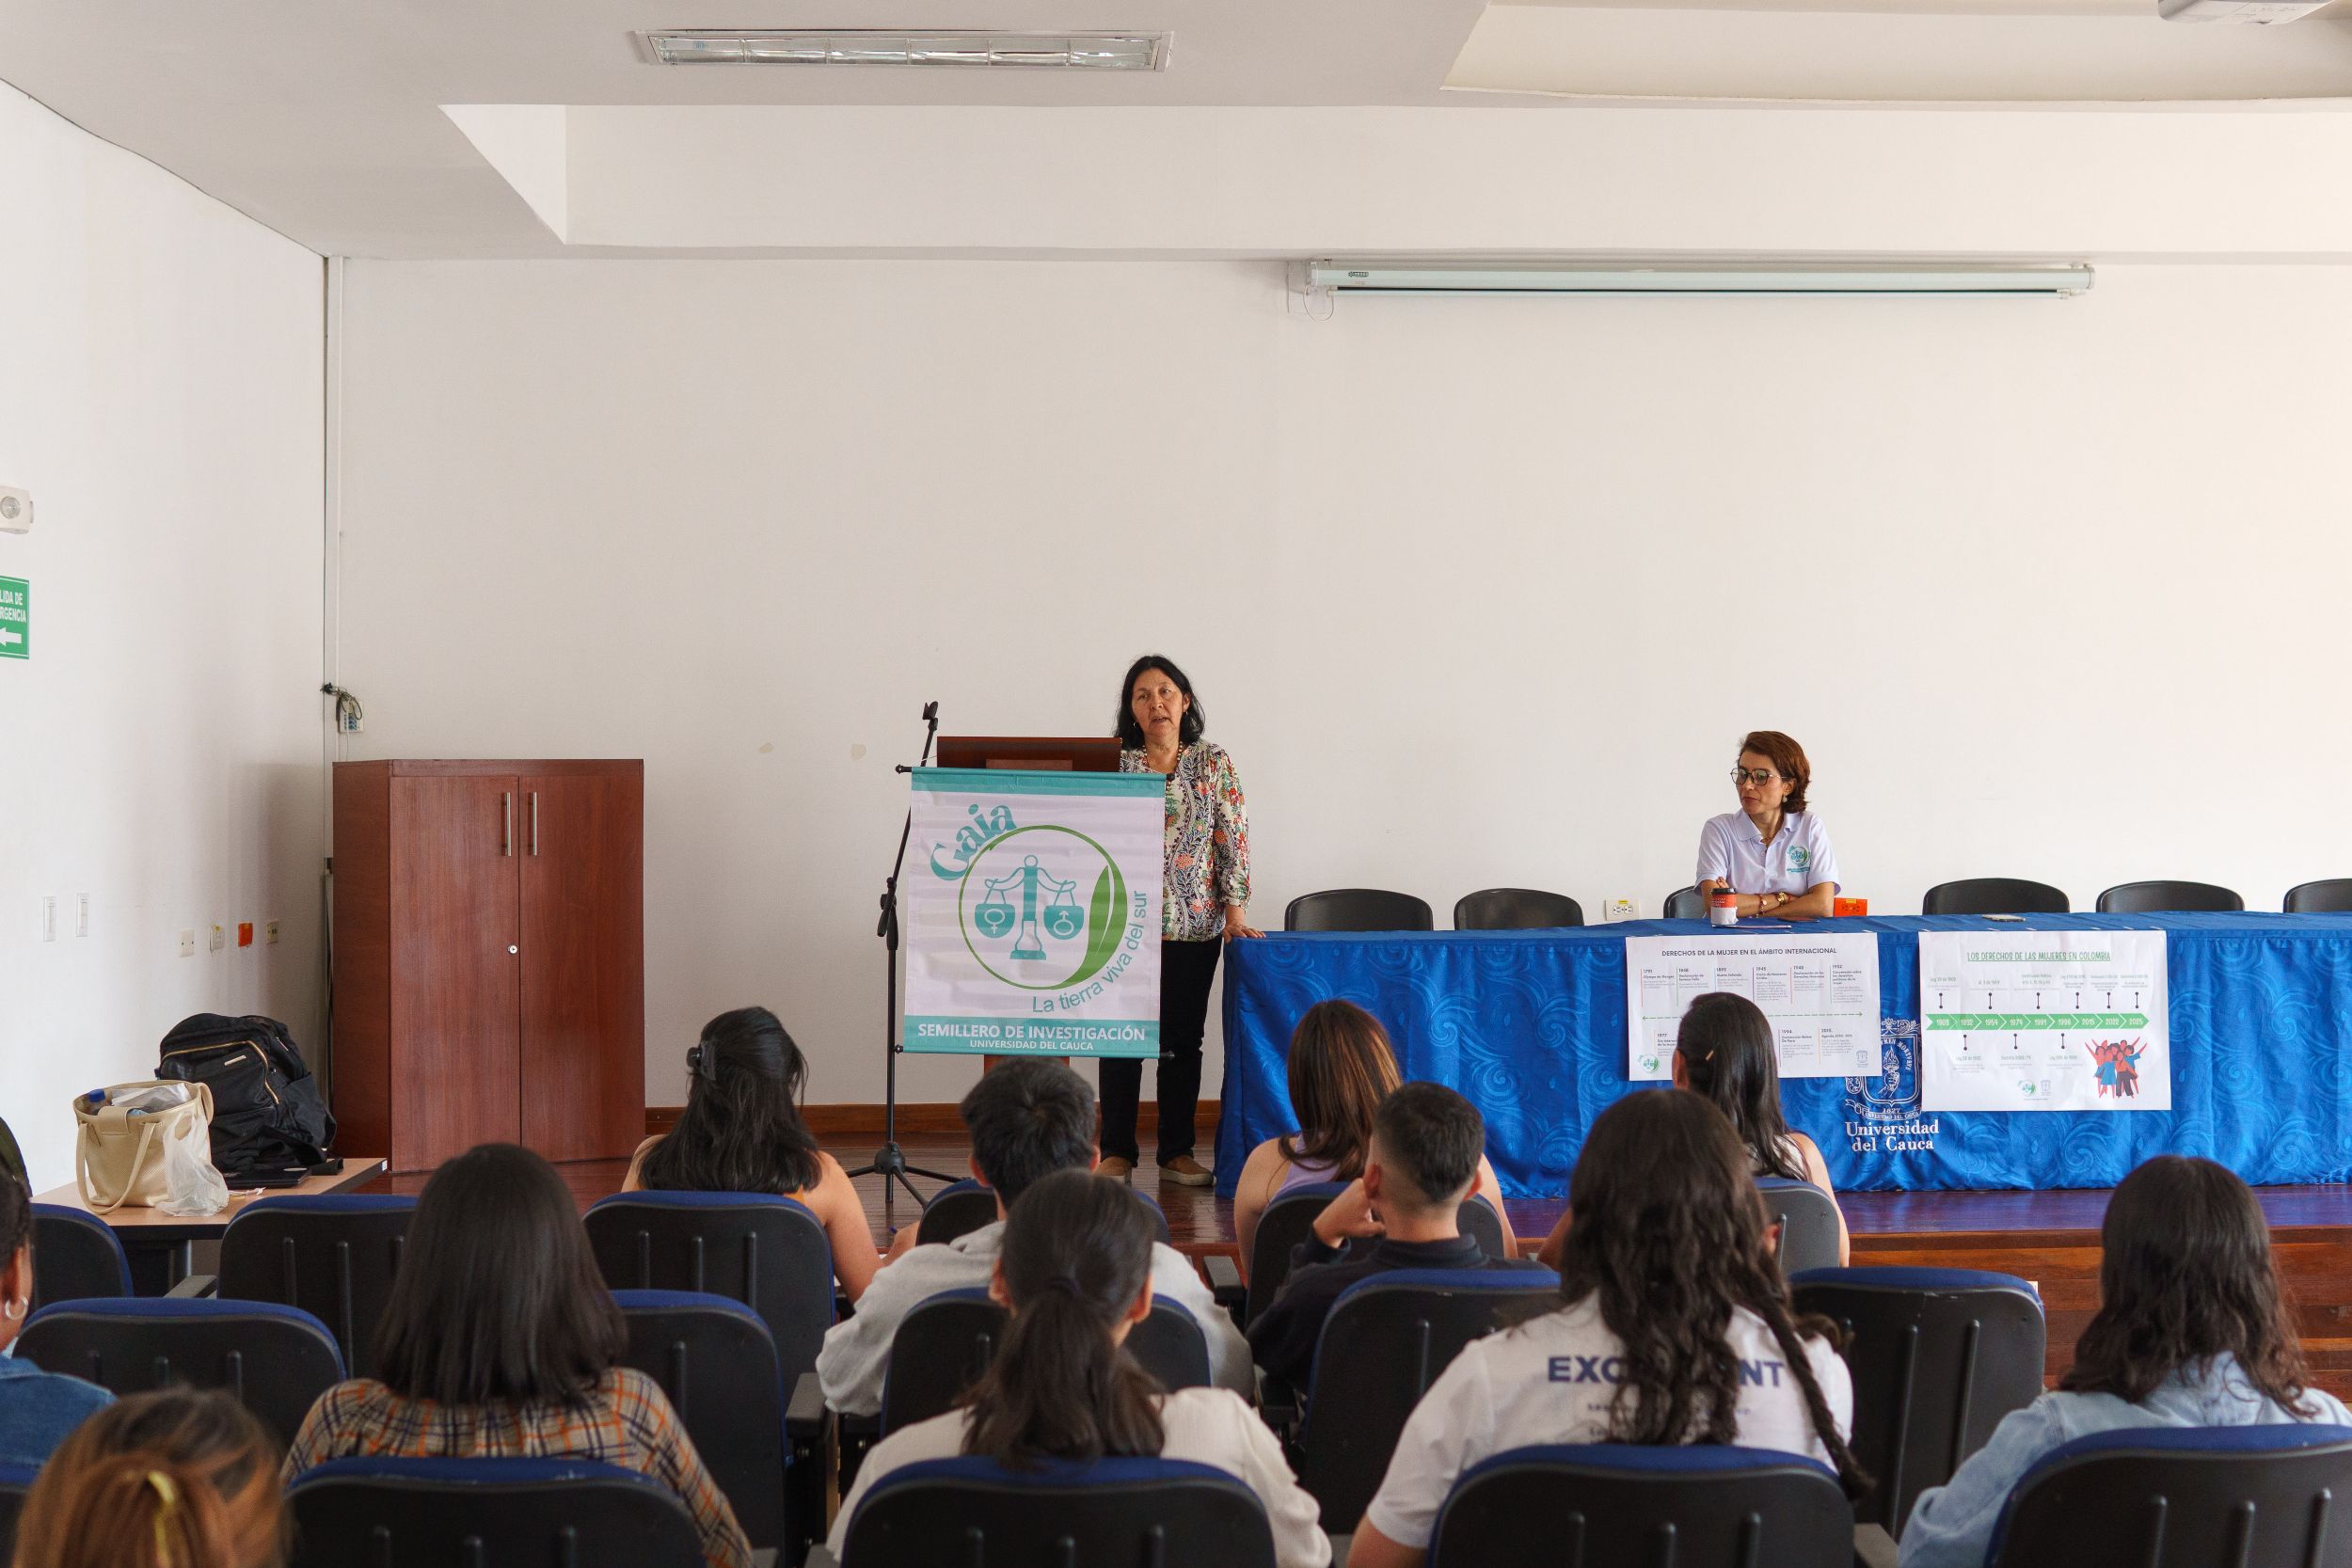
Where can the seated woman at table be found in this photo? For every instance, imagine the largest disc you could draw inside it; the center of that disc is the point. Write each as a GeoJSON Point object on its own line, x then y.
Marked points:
{"type": "Point", "coordinates": [741, 1132]}
{"type": "Point", "coordinates": [1773, 852]}
{"type": "Point", "coordinates": [2190, 1331]}
{"type": "Point", "coordinates": [1673, 1327]}
{"type": "Point", "coordinates": [36, 1408]}
{"type": "Point", "coordinates": [1341, 1068]}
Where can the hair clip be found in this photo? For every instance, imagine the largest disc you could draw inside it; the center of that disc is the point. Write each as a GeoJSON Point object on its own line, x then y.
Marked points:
{"type": "Point", "coordinates": [703, 1062]}
{"type": "Point", "coordinates": [169, 1493]}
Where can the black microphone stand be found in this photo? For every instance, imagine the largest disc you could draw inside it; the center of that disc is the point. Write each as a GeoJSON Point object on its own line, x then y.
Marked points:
{"type": "Point", "coordinates": [890, 1160]}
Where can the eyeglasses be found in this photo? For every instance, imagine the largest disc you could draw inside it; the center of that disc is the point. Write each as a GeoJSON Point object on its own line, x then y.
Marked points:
{"type": "Point", "coordinates": [1756, 776]}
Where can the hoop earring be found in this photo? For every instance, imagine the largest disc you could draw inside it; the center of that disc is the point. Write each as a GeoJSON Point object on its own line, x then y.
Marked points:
{"type": "Point", "coordinates": [14, 1311]}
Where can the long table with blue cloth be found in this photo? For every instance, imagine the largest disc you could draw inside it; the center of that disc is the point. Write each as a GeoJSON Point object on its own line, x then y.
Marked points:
{"type": "Point", "coordinates": [1530, 1027]}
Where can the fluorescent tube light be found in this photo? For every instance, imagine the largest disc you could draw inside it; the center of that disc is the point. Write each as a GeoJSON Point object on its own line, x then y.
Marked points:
{"type": "Point", "coordinates": [866, 46]}
{"type": "Point", "coordinates": [1535, 277]}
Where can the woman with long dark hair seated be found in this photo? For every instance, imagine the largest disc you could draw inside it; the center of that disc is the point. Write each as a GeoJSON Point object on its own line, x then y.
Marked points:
{"type": "Point", "coordinates": [1674, 1321]}
{"type": "Point", "coordinates": [1076, 1272]}
{"type": "Point", "coordinates": [1341, 1068]}
{"type": "Point", "coordinates": [2190, 1331]}
{"type": "Point", "coordinates": [501, 1341]}
{"type": "Point", "coordinates": [741, 1132]}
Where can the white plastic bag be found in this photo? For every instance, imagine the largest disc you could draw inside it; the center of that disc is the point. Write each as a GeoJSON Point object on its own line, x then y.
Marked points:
{"type": "Point", "coordinates": [191, 1185]}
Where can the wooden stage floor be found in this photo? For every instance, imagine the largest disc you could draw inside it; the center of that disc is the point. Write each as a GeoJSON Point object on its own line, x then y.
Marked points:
{"type": "Point", "coordinates": [2051, 1238]}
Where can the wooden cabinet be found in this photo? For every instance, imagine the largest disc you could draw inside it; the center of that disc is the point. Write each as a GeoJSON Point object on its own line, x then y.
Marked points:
{"type": "Point", "coordinates": [489, 957]}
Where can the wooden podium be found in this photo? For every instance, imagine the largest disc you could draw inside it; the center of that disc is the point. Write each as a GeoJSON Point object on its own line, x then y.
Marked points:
{"type": "Point", "coordinates": [489, 957]}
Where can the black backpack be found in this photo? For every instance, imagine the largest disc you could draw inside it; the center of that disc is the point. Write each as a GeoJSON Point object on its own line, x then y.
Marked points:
{"type": "Point", "coordinates": [266, 1107]}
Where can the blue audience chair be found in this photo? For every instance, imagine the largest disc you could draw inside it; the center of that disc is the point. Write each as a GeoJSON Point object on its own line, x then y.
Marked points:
{"type": "Point", "coordinates": [973, 1510]}
{"type": "Point", "coordinates": [485, 1512]}
{"type": "Point", "coordinates": [1288, 1220]}
{"type": "Point", "coordinates": [944, 1345]}
{"type": "Point", "coordinates": [1807, 1218]}
{"type": "Point", "coordinates": [276, 1360]}
{"type": "Point", "coordinates": [2260, 1497]}
{"type": "Point", "coordinates": [1938, 1357]}
{"type": "Point", "coordinates": [15, 1481]}
{"type": "Point", "coordinates": [1388, 1339]}
{"type": "Point", "coordinates": [715, 1362]}
{"type": "Point", "coordinates": [333, 1256]}
{"type": "Point", "coordinates": [1609, 1505]}
{"type": "Point", "coordinates": [75, 1257]}
{"type": "Point", "coordinates": [961, 1208]}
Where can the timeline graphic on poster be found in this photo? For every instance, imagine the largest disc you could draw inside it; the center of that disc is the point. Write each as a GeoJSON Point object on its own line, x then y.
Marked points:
{"type": "Point", "coordinates": [1821, 993]}
{"type": "Point", "coordinates": [2043, 1021]}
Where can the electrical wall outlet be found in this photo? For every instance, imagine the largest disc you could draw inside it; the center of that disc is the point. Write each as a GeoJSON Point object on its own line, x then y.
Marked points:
{"type": "Point", "coordinates": [187, 944]}
{"type": "Point", "coordinates": [269, 933]}
{"type": "Point", "coordinates": [221, 936]}
{"type": "Point", "coordinates": [49, 917]}
{"type": "Point", "coordinates": [1620, 909]}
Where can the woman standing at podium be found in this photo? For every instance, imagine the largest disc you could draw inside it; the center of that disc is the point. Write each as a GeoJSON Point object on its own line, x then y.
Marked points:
{"type": "Point", "coordinates": [1773, 852]}
{"type": "Point", "coordinates": [1204, 897]}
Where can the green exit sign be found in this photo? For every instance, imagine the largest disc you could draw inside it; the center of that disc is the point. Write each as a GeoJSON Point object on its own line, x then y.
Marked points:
{"type": "Point", "coordinates": [16, 618]}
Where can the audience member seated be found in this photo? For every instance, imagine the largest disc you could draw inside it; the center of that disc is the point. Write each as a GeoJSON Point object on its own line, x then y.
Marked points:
{"type": "Point", "coordinates": [500, 1342]}
{"type": "Point", "coordinates": [1075, 1270]}
{"type": "Point", "coordinates": [741, 1132]}
{"type": "Point", "coordinates": [2190, 1331]}
{"type": "Point", "coordinates": [1341, 1068]}
{"type": "Point", "coordinates": [1723, 1053]}
{"type": "Point", "coordinates": [1674, 1328]}
{"type": "Point", "coordinates": [175, 1479]}
{"type": "Point", "coordinates": [1028, 1119]}
{"type": "Point", "coordinates": [36, 1408]}
{"type": "Point", "coordinates": [1399, 1215]}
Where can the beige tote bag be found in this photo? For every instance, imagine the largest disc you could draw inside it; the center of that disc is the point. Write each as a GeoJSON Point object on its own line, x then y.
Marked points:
{"type": "Point", "coordinates": [121, 1155]}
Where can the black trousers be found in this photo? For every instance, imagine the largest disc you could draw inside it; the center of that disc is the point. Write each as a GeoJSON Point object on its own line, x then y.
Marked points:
{"type": "Point", "coordinates": [1186, 971]}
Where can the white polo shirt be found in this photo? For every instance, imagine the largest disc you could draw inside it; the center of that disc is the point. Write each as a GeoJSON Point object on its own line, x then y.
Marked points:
{"type": "Point", "coordinates": [1798, 860]}
{"type": "Point", "coordinates": [1550, 1381]}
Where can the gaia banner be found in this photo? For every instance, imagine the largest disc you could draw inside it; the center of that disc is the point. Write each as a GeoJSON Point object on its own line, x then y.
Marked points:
{"type": "Point", "coordinates": [1033, 914]}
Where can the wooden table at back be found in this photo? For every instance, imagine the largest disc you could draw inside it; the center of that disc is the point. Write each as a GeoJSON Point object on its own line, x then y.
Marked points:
{"type": "Point", "coordinates": [162, 1247]}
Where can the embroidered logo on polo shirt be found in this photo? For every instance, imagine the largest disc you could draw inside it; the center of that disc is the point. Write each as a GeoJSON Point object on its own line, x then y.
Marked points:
{"type": "Point", "coordinates": [1798, 856]}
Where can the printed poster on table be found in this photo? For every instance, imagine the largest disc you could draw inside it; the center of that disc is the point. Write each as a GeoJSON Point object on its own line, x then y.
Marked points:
{"type": "Point", "coordinates": [1821, 993]}
{"type": "Point", "coordinates": [1032, 912]}
{"type": "Point", "coordinates": [2043, 1021]}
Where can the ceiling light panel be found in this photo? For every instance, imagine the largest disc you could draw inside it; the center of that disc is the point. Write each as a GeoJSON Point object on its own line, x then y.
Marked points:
{"type": "Point", "coordinates": [859, 46]}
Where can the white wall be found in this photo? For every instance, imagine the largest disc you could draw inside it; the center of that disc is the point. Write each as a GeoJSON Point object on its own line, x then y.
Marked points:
{"type": "Point", "coordinates": [160, 751]}
{"type": "Point", "coordinates": [1476, 591]}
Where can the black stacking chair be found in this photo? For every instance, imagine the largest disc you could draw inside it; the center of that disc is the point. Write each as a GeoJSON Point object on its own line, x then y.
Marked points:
{"type": "Point", "coordinates": [1938, 1357]}
{"type": "Point", "coordinates": [947, 1341]}
{"type": "Point", "coordinates": [716, 1364]}
{"type": "Point", "coordinates": [1602, 1505]}
{"type": "Point", "coordinates": [445, 1512]}
{"type": "Point", "coordinates": [332, 1256]}
{"type": "Point", "coordinates": [15, 1481]}
{"type": "Point", "coordinates": [1291, 1216]}
{"type": "Point", "coordinates": [1516, 909]}
{"type": "Point", "coordinates": [2162, 897]}
{"type": "Point", "coordinates": [2255, 1496]}
{"type": "Point", "coordinates": [1408, 1325]}
{"type": "Point", "coordinates": [1994, 896]}
{"type": "Point", "coordinates": [2332, 897]}
{"type": "Point", "coordinates": [1807, 1218]}
{"type": "Point", "coordinates": [276, 1360]}
{"type": "Point", "coordinates": [964, 1207]}
{"type": "Point", "coordinates": [75, 1257]}
{"type": "Point", "coordinates": [1358, 909]}
{"type": "Point", "coordinates": [972, 1510]}
{"type": "Point", "coordinates": [1686, 903]}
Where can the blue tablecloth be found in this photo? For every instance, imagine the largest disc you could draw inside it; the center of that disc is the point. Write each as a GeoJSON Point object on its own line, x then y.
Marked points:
{"type": "Point", "coordinates": [1531, 1026]}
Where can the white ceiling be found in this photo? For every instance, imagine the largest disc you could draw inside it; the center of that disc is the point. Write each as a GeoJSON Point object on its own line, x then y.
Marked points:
{"type": "Point", "coordinates": [326, 121]}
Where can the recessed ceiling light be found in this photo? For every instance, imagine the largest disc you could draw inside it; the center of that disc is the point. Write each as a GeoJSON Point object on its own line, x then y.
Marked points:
{"type": "Point", "coordinates": [861, 46]}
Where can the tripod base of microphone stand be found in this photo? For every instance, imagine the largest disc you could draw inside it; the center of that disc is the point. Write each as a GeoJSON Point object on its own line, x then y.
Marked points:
{"type": "Point", "coordinates": [890, 1164]}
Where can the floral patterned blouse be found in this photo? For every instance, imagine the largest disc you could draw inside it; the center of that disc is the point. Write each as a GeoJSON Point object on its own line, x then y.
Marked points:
{"type": "Point", "coordinates": [1207, 841]}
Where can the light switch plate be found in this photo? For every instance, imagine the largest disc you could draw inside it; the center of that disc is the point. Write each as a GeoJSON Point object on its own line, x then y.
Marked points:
{"type": "Point", "coordinates": [220, 937]}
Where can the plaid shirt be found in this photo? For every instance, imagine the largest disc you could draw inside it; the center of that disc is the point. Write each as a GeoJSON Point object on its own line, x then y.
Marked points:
{"type": "Point", "coordinates": [628, 1421]}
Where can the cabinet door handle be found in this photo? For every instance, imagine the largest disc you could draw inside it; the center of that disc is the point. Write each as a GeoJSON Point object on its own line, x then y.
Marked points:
{"type": "Point", "coordinates": [506, 822]}
{"type": "Point", "coordinates": [534, 824]}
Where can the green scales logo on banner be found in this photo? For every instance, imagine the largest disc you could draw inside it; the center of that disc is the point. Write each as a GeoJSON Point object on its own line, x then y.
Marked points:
{"type": "Point", "coordinates": [16, 618]}
{"type": "Point", "coordinates": [1018, 905]}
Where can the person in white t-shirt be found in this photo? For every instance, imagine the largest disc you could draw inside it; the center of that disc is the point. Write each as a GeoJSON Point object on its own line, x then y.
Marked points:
{"type": "Point", "coordinates": [1773, 852]}
{"type": "Point", "coordinates": [1075, 1271]}
{"type": "Point", "coordinates": [1674, 1328]}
